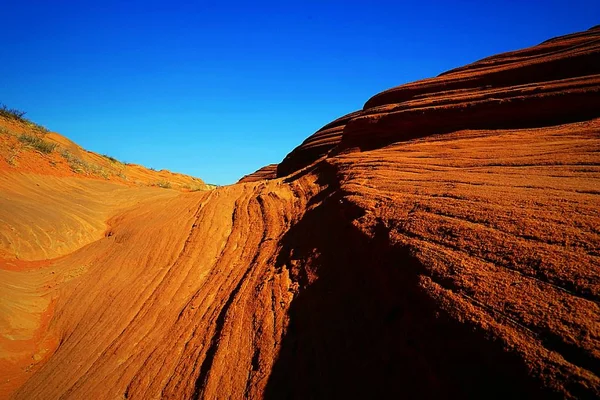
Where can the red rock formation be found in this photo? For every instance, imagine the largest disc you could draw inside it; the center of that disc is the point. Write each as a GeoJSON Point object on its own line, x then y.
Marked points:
{"type": "Point", "coordinates": [443, 267]}
{"type": "Point", "coordinates": [266, 172]}
{"type": "Point", "coordinates": [548, 84]}
{"type": "Point", "coordinates": [456, 256]}
{"type": "Point", "coordinates": [315, 146]}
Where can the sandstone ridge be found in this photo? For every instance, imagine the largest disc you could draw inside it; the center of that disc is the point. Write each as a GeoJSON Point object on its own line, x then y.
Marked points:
{"type": "Point", "coordinates": [442, 242]}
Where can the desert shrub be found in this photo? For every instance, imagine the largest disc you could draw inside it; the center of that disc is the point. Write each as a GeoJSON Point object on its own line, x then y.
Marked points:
{"type": "Point", "coordinates": [37, 143]}
{"type": "Point", "coordinates": [12, 113]}
{"type": "Point", "coordinates": [194, 187]}
{"type": "Point", "coordinates": [164, 184]}
{"type": "Point", "coordinates": [37, 127]}
{"type": "Point", "coordinates": [80, 166]}
{"type": "Point", "coordinates": [110, 158]}
{"type": "Point", "coordinates": [18, 115]}
{"type": "Point", "coordinates": [77, 164]}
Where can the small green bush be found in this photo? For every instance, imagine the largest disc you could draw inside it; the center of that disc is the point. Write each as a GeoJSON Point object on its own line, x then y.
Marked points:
{"type": "Point", "coordinates": [77, 164]}
{"type": "Point", "coordinates": [38, 127]}
{"type": "Point", "coordinates": [18, 115]}
{"type": "Point", "coordinates": [12, 113]}
{"type": "Point", "coordinates": [110, 158]}
{"type": "Point", "coordinates": [164, 184]}
{"type": "Point", "coordinates": [194, 188]}
{"type": "Point", "coordinates": [80, 166]}
{"type": "Point", "coordinates": [37, 143]}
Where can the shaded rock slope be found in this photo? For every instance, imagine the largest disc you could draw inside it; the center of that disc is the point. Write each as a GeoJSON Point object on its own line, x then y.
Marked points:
{"type": "Point", "coordinates": [441, 243]}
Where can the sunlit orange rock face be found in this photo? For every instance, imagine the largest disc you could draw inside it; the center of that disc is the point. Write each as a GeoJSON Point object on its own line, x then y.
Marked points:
{"type": "Point", "coordinates": [266, 172]}
{"type": "Point", "coordinates": [552, 83]}
{"type": "Point", "coordinates": [441, 243]}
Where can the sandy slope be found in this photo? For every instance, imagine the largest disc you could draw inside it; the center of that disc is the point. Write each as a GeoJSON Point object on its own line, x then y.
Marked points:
{"type": "Point", "coordinates": [68, 159]}
{"type": "Point", "coordinates": [45, 217]}
{"type": "Point", "coordinates": [52, 204]}
{"type": "Point", "coordinates": [157, 281]}
{"type": "Point", "coordinates": [410, 255]}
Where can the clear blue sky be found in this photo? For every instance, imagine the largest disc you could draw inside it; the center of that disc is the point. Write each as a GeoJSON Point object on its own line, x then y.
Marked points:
{"type": "Point", "coordinates": [218, 89]}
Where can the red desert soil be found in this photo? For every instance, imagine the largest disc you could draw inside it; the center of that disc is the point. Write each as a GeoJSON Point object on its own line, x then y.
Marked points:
{"type": "Point", "coordinates": [52, 204]}
{"type": "Point", "coordinates": [444, 242]}
{"type": "Point", "coordinates": [20, 152]}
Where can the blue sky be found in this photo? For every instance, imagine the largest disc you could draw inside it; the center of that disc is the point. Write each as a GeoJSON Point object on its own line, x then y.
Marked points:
{"type": "Point", "coordinates": [218, 89]}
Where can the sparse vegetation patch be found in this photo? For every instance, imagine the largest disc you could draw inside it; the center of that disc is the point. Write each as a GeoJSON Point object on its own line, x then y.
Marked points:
{"type": "Point", "coordinates": [12, 113]}
{"type": "Point", "coordinates": [80, 166]}
{"type": "Point", "coordinates": [164, 184]}
{"type": "Point", "coordinates": [37, 143]}
{"type": "Point", "coordinates": [194, 187]}
{"type": "Point", "coordinates": [18, 115]}
{"type": "Point", "coordinates": [110, 158]}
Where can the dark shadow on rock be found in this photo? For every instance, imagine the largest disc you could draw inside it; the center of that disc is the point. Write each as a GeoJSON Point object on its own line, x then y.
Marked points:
{"type": "Point", "coordinates": [366, 329]}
